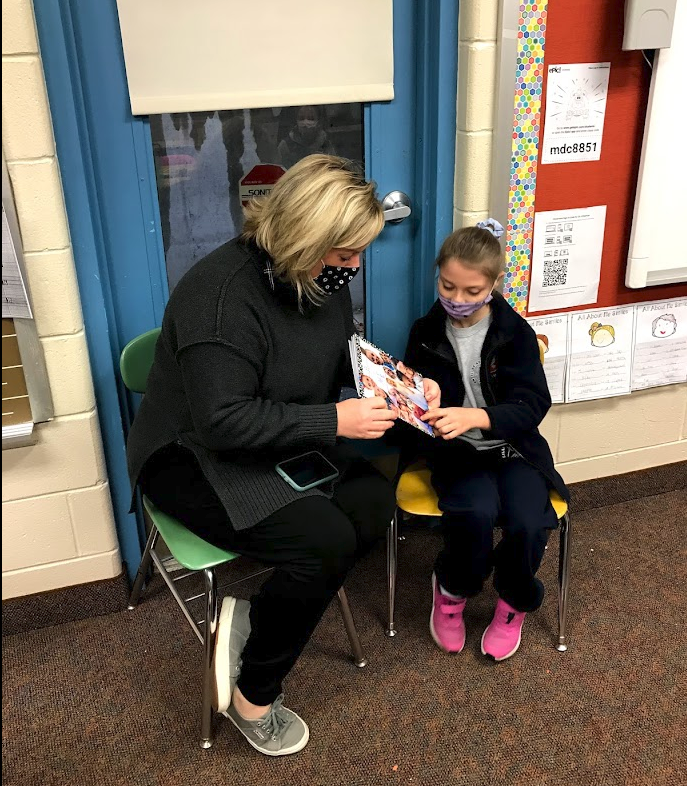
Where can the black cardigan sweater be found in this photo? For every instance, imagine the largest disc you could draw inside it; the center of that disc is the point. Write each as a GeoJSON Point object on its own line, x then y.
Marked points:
{"type": "Point", "coordinates": [512, 380]}
{"type": "Point", "coordinates": [243, 379]}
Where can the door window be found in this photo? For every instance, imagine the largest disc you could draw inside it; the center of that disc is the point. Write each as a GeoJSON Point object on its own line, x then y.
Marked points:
{"type": "Point", "coordinates": [208, 163]}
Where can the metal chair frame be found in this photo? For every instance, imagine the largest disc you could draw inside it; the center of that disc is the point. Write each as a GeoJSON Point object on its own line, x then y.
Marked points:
{"type": "Point", "coordinates": [210, 619]}
{"type": "Point", "coordinates": [563, 575]}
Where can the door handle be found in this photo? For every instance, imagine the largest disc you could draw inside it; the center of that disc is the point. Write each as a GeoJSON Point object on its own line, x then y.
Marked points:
{"type": "Point", "coordinates": [397, 206]}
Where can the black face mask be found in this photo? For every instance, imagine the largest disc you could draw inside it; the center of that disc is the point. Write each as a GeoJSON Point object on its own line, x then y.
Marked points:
{"type": "Point", "coordinates": [332, 279]}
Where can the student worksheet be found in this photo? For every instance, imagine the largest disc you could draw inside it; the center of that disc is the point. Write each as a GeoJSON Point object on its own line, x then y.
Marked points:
{"type": "Point", "coordinates": [552, 336]}
{"type": "Point", "coordinates": [600, 362]}
{"type": "Point", "coordinates": [660, 344]}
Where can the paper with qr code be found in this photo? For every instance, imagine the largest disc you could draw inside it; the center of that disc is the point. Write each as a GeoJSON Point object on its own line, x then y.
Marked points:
{"type": "Point", "coordinates": [566, 258]}
{"type": "Point", "coordinates": [379, 374]}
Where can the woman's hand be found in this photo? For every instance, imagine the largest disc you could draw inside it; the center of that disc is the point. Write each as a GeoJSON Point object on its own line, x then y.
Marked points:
{"type": "Point", "coordinates": [432, 393]}
{"type": "Point", "coordinates": [451, 422]}
{"type": "Point", "coordinates": [364, 418]}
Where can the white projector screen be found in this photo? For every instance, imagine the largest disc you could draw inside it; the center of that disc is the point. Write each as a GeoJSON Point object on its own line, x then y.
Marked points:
{"type": "Point", "coordinates": [658, 251]}
{"type": "Point", "coordinates": [244, 54]}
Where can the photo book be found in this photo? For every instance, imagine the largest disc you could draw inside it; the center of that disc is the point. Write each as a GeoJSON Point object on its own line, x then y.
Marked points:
{"type": "Point", "coordinates": [379, 374]}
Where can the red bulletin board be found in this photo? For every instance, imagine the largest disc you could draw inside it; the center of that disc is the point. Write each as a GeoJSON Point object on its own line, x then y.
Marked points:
{"type": "Point", "coordinates": [591, 31]}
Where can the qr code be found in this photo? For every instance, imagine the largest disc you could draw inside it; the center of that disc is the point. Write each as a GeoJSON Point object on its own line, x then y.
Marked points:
{"type": "Point", "coordinates": [555, 272]}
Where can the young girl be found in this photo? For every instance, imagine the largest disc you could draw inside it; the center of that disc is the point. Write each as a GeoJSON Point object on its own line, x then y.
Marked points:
{"type": "Point", "coordinates": [487, 394]}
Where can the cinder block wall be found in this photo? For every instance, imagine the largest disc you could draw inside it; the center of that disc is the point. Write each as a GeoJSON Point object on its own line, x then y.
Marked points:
{"type": "Point", "coordinates": [57, 522]}
{"type": "Point", "coordinates": [590, 439]}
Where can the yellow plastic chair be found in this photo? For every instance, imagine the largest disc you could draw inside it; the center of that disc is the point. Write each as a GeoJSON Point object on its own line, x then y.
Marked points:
{"type": "Point", "coordinates": [192, 553]}
{"type": "Point", "coordinates": [415, 496]}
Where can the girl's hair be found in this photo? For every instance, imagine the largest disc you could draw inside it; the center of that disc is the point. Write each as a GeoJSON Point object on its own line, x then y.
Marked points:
{"type": "Point", "coordinates": [475, 247]}
{"type": "Point", "coordinates": [320, 203]}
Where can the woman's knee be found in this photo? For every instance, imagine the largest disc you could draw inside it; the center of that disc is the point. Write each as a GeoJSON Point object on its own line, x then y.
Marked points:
{"type": "Point", "coordinates": [329, 548]}
{"type": "Point", "coordinates": [368, 501]}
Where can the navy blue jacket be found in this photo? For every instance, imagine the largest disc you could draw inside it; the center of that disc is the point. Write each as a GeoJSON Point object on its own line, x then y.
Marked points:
{"type": "Point", "coordinates": [512, 379]}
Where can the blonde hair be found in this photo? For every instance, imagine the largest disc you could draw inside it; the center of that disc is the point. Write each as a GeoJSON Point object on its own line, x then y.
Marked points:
{"type": "Point", "coordinates": [474, 247]}
{"type": "Point", "coordinates": [597, 326]}
{"type": "Point", "coordinates": [319, 204]}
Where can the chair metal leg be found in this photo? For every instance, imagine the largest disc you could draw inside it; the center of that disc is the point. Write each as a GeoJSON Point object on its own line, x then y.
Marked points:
{"type": "Point", "coordinates": [143, 568]}
{"type": "Point", "coordinates": [210, 634]}
{"type": "Point", "coordinates": [391, 570]}
{"type": "Point", "coordinates": [358, 655]}
{"type": "Point", "coordinates": [563, 581]}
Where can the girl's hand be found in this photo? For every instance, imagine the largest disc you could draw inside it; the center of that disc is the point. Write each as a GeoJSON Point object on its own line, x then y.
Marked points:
{"type": "Point", "coordinates": [451, 422]}
{"type": "Point", "coordinates": [432, 393]}
{"type": "Point", "coordinates": [364, 418]}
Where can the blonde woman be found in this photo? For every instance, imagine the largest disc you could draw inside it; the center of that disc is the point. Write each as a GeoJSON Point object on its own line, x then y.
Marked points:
{"type": "Point", "coordinates": [248, 370]}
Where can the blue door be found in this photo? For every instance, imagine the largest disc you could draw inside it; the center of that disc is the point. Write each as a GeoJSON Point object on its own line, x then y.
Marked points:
{"type": "Point", "coordinates": [140, 191]}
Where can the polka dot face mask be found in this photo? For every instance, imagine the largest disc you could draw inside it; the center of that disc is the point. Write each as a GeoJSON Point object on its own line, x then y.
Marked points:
{"type": "Point", "coordinates": [332, 279]}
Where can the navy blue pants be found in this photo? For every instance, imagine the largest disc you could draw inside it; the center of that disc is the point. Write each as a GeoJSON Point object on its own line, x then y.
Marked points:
{"type": "Point", "coordinates": [494, 492]}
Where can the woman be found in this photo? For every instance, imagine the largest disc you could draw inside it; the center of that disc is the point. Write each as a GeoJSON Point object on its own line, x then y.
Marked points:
{"type": "Point", "coordinates": [248, 370]}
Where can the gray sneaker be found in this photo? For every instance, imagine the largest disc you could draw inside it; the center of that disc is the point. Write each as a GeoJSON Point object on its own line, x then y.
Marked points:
{"type": "Point", "coordinates": [233, 630]}
{"type": "Point", "coordinates": [278, 733]}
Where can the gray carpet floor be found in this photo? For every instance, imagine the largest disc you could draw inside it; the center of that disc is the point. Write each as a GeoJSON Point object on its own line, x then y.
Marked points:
{"type": "Point", "coordinates": [115, 700]}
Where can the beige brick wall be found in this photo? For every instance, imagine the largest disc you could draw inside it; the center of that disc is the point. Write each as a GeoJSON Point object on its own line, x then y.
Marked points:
{"type": "Point", "coordinates": [590, 439]}
{"type": "Point", "coordinates": [475, 109]}
{"type": "Point", "coordinates": [57, 522]}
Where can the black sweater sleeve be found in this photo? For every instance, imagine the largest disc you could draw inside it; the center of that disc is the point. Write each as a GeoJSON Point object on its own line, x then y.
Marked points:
{"type": "Point", "coordinates": [222, 383]}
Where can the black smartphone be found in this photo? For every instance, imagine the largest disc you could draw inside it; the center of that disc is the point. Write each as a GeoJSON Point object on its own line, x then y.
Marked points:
{"type": "Point", "coordinates": [307, 471]}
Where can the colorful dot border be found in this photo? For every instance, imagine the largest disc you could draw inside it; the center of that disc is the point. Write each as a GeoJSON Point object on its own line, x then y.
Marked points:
{"type": "Point", "coordinates": [525, 151]}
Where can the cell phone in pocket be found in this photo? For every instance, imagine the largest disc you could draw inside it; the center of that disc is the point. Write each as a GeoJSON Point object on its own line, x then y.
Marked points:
{"type": "Point", "coordinates": [307, 471]}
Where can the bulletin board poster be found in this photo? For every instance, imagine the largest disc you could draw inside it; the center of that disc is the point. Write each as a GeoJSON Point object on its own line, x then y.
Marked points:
{"type": "Point", "coordinates": [566, 258]}
{"type": "Point", "coordinates": [660, 344]}
{"type": "Point", "coordinates": [552, 338]}
{"type": "Point", "coordinates": [600, 361]}
{"type": "Point", "coordinates": [575, 112]}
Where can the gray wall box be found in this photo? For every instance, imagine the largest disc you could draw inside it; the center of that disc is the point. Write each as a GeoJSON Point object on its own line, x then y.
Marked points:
{"type": "Point", "coordinates": [649, 23]}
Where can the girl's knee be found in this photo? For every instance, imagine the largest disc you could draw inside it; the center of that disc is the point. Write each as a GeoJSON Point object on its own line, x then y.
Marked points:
{"type": "Point", "coordinates": [474, 516]}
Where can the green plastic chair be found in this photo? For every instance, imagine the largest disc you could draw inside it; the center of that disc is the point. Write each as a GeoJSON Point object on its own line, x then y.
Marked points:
{"type": "Point", "coordinates": [192, 553]}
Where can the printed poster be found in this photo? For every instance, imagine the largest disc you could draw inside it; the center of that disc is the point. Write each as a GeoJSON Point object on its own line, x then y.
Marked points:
{"type": "Point", "coordinates": [575, 112]}
{"type": "Point", "coordinates": [660, 344]}
{"type": "Point", "coordinates": [600, 362]}
{"type": "Point", "coordinates": [566, 258]}
{"type": "Point", "coordinates": [552, 337]}
{"type": "Point", "coordinates": [15, 300]}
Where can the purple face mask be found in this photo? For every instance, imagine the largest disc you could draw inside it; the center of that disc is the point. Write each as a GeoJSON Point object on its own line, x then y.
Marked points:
{"type": "Point", "coordinates": [463, 310]}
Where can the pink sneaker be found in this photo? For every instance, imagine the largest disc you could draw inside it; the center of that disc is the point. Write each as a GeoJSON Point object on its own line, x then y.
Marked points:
{"type": "Point", "coordinates": [502, 638]}
{"type": "Point", "coordinates": [446, 623]}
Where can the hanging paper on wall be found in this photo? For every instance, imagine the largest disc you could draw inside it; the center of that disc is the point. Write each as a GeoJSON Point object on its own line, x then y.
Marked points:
{"type": "Point", "coordinates": [600, 363]}
{"type": "Point", "coordinates": [552, 337]}
{"type": "Point", "coordinates": [15, 300]}
{"type": "Point", "coordinates": [660, 344]}
{"type": "Point", "coordinates": [566, 258]}
{"type": "Point", "coordinates": [575, 112]}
